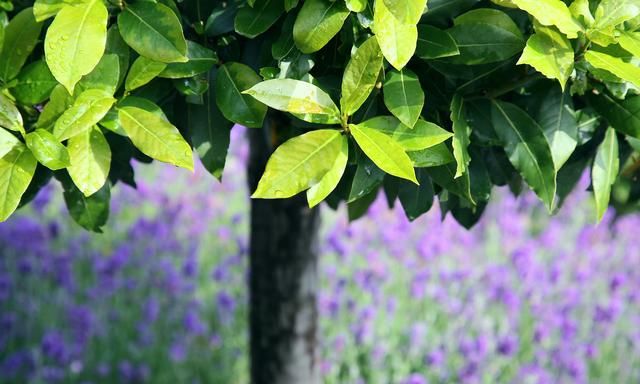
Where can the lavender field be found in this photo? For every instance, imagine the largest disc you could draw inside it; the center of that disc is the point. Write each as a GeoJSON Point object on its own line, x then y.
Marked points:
{"type": "Point", "coordinates": [160, 297]}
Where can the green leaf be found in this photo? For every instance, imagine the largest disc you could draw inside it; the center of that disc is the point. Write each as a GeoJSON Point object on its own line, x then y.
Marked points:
{"type": "Point", "coordinates": [485, 36]}
{"type": "Point", "coordinates": [580, 11]}
{"type": "Point", "coordinates": [330, 180]}
{"type": "Point", "coordinates": [297, 97]}
{"type": "Point", "coordinates": [403, 96]}
{"type": "Point", "coordinates": [605, 171]}
{"type": "Point", "coordinates": [434, 43]}
{"type": "Point", "coordinates": [142, 71]}
{"type": "Point", "coordinates": [290, 4]}
{"type": "Point", "coordinates": [611, 13]}
{"type": "Point", "coordinates": [105, 76]}
{"type": "Point", "coordinates": [35, 84]}
{"type": "Point", "coordinates": [44, 9]}
{"type": "Point", "coordinates": [461, 135]}
{"type": "Point", "coordinates": [406, 11]}
{"type": "Point", "coordinates": [201, 60]}
{"type": "Point", "coordinates": [444, 176]}
{"type": "Point", "coordinates": [90, 157]}
{"type": "Point", "coordinates": [356, 5]}
{"type": "Point", "coordinates": [221, 19]}
{"type": "Point", "coordinates": [88, 109]}
{"type": "Point", "coordinates": [92, 212]}
{"type": "Point", "coordinates": [155, 137]}
{"type": "Point", "coordinates": [422, 136]}
{"type": "Point", "coordinates": [614, 65]}
{"type": "Point", "coordinates": [117, 46]}
{"type": "Point", "coordinates": [47, 149]}
{"type": "Point", "coordinates": [551, 13]}
{"type": "Point", "coordinates": [432, 157]}
{"type": "Point", "coordinates": [210, 131]}
{"type": "Point", "coordinates": [630, 41]}
{"type": "Point", "coordinates": [317, 23]}
{"type": "Point", "coordinates": [20, 37]}
{"type": "Point", "coordinates": [417, 199]}
{"type": "Point", "coordinates": [397, 40]}
{"type": "Point", "coordinates": [154, 31]}
{"type": "Point", "coordinates": [299, 164]}
{"type": "Point", "coordinates": [360, 76]}
{"type": "Point", "coordinates": [254, 21]}
{"type": "Point", "coordinates": [550, 53]}
{"type": "Point", "coordinates": [384, 152]}
{"type": "Point", "coordinates": [232, 81]}
{"type": "Point", "coordinates": [366, 178]}
{"type": "Point", "coordinates": [527, 148]}
{"type": "Point", "coordinates": [10, 117]}
{"type": "Point", "coordinates": [59, 102]}
{"type": "Point", "coordinates": [7, 142]}
{"type": "Point", "coordinates": [560, 127]}
{"type": "Point", "coordinates": [622, 115]}
{"type": "Point", "coordinates": [16, 171]}
{"type": "Point", "coordinates": [75, 41]}
{"type": "Point", "coordinates": [111, 120]}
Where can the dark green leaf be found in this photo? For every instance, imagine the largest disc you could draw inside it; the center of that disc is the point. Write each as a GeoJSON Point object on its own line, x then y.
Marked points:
{"type": "Point", "coordinates": [232, 80]}
{"type": "Point", "coordinates": [154, 31]}
{"type": "Point", "coordinates": [527, 148]}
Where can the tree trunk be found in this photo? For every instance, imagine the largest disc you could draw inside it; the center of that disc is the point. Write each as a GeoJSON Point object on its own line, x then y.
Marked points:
{"type": "Point", "coordinates": [283, 279]}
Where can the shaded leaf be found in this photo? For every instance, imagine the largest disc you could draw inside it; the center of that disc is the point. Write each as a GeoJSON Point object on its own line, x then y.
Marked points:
{"type": "Point", "coordinates": [527, 148]}
{"type": "Point", "coordinates": [605, 171]}
{"type": "Point", "coordinates": [232, 81]}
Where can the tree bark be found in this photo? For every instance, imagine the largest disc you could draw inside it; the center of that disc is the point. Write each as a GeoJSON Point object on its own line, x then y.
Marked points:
{"type": "Point", "coordinates": [283, 279]}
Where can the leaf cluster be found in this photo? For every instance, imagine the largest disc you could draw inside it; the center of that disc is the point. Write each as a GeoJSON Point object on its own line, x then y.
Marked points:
{"type": "Point", "coordinates": [417, 98]}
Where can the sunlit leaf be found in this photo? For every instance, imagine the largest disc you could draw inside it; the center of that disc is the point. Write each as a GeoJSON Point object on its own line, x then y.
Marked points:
{"type": "Point", "coordinates": [75, 41]}
{"type": "Point", "coordinates": [299, 164]}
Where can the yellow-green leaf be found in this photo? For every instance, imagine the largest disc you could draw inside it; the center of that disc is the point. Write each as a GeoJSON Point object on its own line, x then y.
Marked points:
{"type": "Point", "coordinates": [297, 97]}
{"type": "Point", "coordinates": [614, 65]}
{"type": "Point", "coordinates": [156, 137]}
{"type": "Point", "coordinates": [90, 156]}
{"type": "Point", "coordinates": [360, 76]}
{"type": "Point", "coordinates": [142, 71]}
{"type": "Point", "coordinates": [16, 171]}
{"type": "Point", "coordinates": [10, 117]}
{"type": "Point", "coordinates": [330, 180]}
{"type": "Point", "coordinates": [407, 11]}
{"type": "Point", "coordinates": [88, 109]}
{"type": "Point", "coordinates": [47, 149]}
{"type": "Point", "coordinates": [550, 53]}
{"type": "Point", "coordinates": [630, 41]}
{"type": "Point", "coordinates": [422, 136]}
{"type": "Point", "coordinates": [397, 40]}
{"type": "Point", "coordinates": [75, 41]}
{"type": "Point", "coordinates": [7, 142]}
{"type": "Point", "coordinates": [299, 164]}
{"type": "Point", "coordinates": [387, 154]}
{"type": "Point", "coordinates": [551, 13]}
